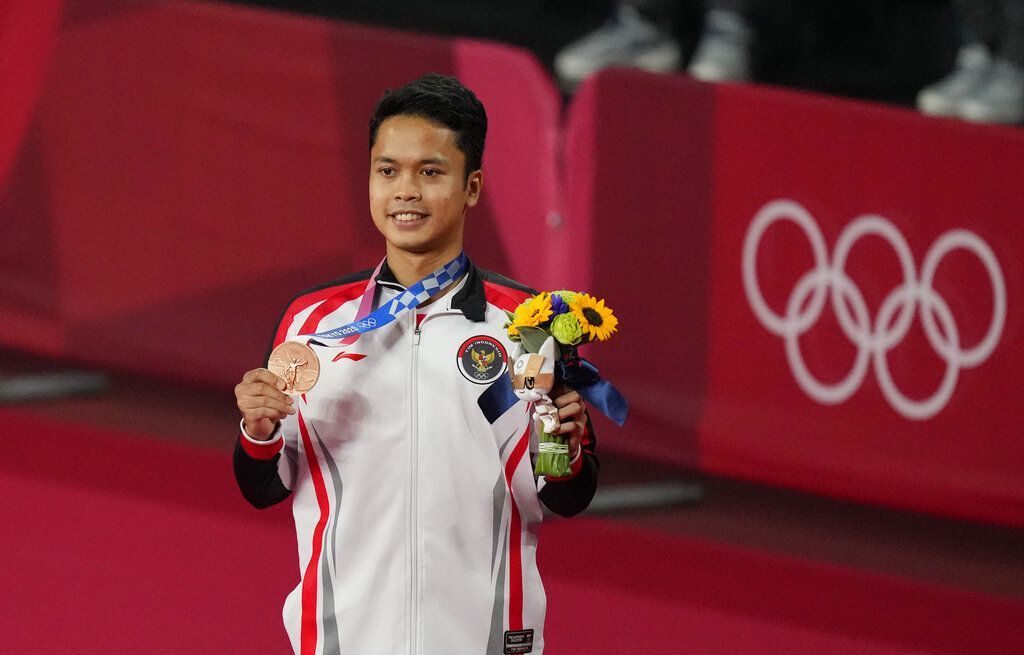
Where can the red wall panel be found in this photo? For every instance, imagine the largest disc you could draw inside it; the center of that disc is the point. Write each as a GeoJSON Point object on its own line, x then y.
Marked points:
{"type": "Point", "coordinates": [880, 364]}
{"type": "Point", "coordinates": [880, 409]}
{"type": "Point", "coordinates": [27, 33]}
{"type": "Point", "coordinates": [192, 166]}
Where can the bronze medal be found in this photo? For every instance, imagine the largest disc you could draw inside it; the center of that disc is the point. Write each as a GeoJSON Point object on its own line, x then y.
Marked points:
{"type": "Point", "coordinates": [297, 365]}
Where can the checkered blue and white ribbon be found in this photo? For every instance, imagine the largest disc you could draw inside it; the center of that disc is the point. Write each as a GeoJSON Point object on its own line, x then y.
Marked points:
{"type": "Point", "coordinates": [411, 298]}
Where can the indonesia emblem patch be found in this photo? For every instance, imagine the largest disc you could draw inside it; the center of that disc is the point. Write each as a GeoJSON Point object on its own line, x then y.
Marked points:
{"type": "Point", "coordinates": [482, 359]}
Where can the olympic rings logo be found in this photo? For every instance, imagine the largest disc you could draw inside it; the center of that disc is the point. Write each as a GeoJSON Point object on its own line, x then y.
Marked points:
{"type": "Point", "coordinates": [873, 341]}
{"type": "Point", "coordinates": [353, 327]}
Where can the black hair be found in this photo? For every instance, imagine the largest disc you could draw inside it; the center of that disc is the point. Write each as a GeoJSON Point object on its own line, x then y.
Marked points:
{"type": "Point", "coordinates": [442, 100]}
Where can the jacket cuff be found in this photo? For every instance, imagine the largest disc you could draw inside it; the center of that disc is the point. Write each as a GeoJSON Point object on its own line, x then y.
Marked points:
{"type": "Point", "coordinates": [261, 449]}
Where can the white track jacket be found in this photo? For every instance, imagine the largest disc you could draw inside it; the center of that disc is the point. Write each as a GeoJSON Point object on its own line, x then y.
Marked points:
{"type": "Point", "coordinates": [416, 509]}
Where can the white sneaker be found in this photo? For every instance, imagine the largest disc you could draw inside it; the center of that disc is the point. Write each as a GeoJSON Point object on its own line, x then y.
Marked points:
{"type": "Point", "coordinates": [627, 39]}
{"type": "Point", "coordinates": [1000, 98]}
{"type": "Point", "coordinates": [723, 54]}
{"type": "Point", "coordinates": [945, 96]}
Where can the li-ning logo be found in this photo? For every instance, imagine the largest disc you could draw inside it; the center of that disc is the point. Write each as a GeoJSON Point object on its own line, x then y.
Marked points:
{"type": "Point", "coordinates": [872, 340]}
{"type": "Point", "coordinates": [344, 355]}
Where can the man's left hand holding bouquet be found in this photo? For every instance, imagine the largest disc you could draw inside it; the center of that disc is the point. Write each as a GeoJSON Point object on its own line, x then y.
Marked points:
{"type": "Point", "coordinates": [572, 416]}
{"type": "Point", "coordinates": [551, 326]}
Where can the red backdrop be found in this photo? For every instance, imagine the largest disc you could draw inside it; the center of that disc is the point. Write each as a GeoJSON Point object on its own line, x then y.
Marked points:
{"type": "Point", "coordinates": [187, 167]}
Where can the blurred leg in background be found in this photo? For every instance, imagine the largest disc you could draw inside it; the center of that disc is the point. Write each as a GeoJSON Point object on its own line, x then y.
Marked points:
{"type": "Point", "coordinates": [723, 52]}
{"type": "Point", "coordinates": [636, 34]}
{"type": "Point", "coordinates": [987, 82]}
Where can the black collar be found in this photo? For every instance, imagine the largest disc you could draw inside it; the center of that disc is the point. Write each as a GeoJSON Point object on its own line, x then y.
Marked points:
{"type": "Point", "coordinates": [471, 299]}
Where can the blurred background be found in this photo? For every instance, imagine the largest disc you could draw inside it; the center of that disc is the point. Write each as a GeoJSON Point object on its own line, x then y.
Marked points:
{"type": "Point", "coordinates": [807, 216]}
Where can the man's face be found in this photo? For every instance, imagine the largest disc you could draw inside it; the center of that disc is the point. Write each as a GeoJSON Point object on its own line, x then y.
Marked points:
{"type": "Point", "coordinates": [418, 190]}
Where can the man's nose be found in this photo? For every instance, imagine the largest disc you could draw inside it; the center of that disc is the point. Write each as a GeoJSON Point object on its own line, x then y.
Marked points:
{"type": "Point", "coordinates": [407, 188]}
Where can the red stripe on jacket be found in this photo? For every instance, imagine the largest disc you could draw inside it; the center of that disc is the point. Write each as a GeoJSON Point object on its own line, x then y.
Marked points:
{"type": "Point", "coordinates": [309, 619]}
{"type": "Point", "coordinates": [503, 297]}
{"type": "Point", "coordinates": [330, 298]}
{"type": "Point", "coordinates": [515, 540]}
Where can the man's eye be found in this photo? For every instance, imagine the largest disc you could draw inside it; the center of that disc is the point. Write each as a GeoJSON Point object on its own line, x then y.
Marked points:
{"type": "Point", "coordinates": [387, 171]}
{"type": "Point", "coordinates": [429, 172]}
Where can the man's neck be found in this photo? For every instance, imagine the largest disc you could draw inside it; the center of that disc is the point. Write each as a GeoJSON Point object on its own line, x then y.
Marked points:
{"type": "Point", "coordinates": [409, 268]}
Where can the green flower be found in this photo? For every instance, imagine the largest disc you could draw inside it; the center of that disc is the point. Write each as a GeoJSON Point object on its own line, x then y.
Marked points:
{"type": "Point", "coordinates": [566, 329]}
{"type": "Point", "coordinates": [567, 296]}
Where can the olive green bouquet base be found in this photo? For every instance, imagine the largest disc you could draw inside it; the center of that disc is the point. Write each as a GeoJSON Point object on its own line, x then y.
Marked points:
{"type": "Point", "coordinates": [552, 456]}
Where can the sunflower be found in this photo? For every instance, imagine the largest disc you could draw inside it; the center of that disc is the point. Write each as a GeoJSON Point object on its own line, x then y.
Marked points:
{"type": "Point", "coordinates": [531, 312]}
{"type": "Point", "coordinates": [597, 321]}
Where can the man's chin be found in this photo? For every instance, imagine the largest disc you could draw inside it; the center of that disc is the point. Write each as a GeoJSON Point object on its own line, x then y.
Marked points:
{"type": "Point", "coordinates": [411, 246]}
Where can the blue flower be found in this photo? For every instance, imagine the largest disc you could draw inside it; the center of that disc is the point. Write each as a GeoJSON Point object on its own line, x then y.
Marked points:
{"type": "Point", "coordinates": [558, 306]}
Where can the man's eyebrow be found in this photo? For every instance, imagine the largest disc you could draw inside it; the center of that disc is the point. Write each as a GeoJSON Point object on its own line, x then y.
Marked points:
{"type": "Point", "coordinates": [439, 161]}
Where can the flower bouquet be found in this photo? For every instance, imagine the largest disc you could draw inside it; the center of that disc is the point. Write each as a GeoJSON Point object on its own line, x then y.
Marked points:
{"type": "Point", "coordinates": [551, 325]}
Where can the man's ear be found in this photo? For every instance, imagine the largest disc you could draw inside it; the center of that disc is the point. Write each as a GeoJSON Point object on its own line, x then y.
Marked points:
{"type": "Point", "coordinates": [474, 183]}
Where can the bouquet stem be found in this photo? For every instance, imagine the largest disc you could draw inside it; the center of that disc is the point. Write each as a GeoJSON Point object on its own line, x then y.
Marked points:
{"type": "Point", "coordinates": [553, 455]}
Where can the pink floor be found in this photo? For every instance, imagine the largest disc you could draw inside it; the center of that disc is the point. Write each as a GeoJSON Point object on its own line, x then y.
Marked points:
{"type": "Point", "coordinates": [121, 543]}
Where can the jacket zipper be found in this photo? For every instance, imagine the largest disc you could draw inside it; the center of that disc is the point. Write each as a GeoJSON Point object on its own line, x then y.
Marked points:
{"type": "Point", "coordinates": [414, 477]}
{"type": "Point", "coordinates": [413, 483]}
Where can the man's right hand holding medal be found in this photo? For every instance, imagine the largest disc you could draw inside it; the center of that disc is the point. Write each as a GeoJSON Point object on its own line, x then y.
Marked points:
{"type": "Point", "coordinates": [261, 398]}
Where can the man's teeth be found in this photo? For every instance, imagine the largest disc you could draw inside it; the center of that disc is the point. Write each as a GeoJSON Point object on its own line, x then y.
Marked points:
{"type": "Point", "coordinates": [408, 217]}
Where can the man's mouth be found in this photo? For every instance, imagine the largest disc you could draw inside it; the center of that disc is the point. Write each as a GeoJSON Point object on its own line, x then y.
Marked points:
{"type": "Point", "coordinates": [408, 217]}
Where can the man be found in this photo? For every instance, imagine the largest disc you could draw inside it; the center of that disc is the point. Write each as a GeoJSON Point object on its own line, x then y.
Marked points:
{"type": "Point", "coordinates": [415, 504]}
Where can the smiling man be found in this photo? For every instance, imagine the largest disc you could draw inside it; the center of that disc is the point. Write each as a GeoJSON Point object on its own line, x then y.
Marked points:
{"type": "Point", "coordinates": [416, 507]}
{"type": "Point", "coordinates": [420, 188]}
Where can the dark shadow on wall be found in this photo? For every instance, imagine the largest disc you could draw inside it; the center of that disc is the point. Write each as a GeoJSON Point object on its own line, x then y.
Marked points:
{"type": "Point", "coordinates": [29, 267]}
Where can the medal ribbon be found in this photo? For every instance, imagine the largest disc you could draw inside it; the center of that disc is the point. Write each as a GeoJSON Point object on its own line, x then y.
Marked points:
{"type": "Point", "coordinates": [411, 298]}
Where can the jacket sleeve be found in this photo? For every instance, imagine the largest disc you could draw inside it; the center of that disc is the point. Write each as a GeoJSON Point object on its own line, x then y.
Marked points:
{"type": "Point", "coordinates": [258, 466]}
{"type": "Point", "coordinates": [570, 496]}
{"type": "Point", "coordinates": [258, 479]}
